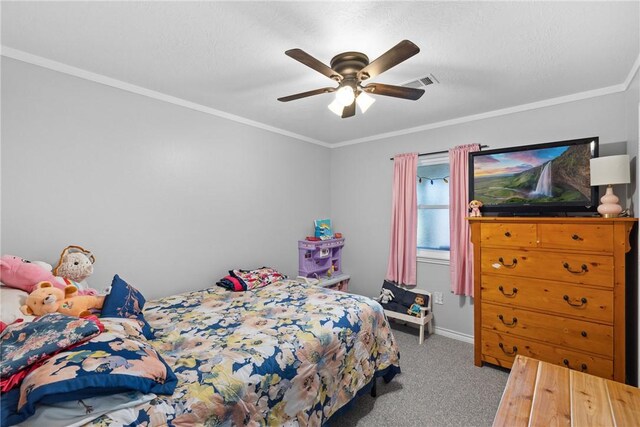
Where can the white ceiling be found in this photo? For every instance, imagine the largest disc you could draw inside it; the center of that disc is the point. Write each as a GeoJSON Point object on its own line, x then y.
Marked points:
{"type": "Point", "coordinates": [230, 55]}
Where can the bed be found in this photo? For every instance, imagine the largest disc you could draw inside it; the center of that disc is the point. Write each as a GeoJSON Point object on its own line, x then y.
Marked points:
{"type": "Point", "coordinates": [284, 354]}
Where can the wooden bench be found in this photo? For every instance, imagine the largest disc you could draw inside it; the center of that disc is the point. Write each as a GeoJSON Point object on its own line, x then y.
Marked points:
{"type": "Point", "coordinates": [542, 394]}
{"type": "Point", "coordinates": [425, 318]}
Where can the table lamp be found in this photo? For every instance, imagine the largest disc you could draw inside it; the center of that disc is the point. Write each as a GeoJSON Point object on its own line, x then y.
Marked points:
{"type": "Point", "coordinates": [608, 171]}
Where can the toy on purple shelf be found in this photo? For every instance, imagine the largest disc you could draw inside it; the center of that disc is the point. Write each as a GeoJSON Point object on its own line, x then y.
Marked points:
{"type": "Point", "coordinates": [323, 229]}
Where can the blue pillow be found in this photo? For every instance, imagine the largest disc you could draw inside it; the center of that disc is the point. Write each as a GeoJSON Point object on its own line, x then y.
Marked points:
{"type": "Point", "coordinates": [24, 344]}
{"type": "Point", "coordinates": [126, 301]}
{"type": "Point", "coordinates": [112, 363]}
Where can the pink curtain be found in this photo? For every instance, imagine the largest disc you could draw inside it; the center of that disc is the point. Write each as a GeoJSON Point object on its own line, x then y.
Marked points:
{"type": "Point", "coordinates": [461, 253]}
{"type": "Point", "coordinates": [404, 221]}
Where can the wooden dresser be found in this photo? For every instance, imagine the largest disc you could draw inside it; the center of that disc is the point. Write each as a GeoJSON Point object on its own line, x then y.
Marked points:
{"type": "Point", "coordinates": [552, 289]}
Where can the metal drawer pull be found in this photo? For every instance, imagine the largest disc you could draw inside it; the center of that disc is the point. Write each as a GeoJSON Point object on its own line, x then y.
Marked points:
{"type": "Point", "coordinates": [507, 234]}
{"type": "Point", "coordinates": [576, 237]}
{"type": "Point", "coordinates": [583, 268]}
{"type": "Point", "coordinates": [583, 333]}
{"type": "Point", "coordinates": [583, 367]}
{"type": "Point", "coordinates": [513, 322]}
{"type": "Point", "coordinates": [583, 301]}
{"type": "Point", "coordinates": [513, 293]}
{"type": "Point", "coordinates": [512, 265]}
{"type": "Point", "coordinates": [509, 353]}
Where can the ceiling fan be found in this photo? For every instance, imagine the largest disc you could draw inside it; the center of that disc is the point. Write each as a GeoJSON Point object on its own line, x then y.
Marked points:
{"type": "Point", "coordinates": [350, 69]}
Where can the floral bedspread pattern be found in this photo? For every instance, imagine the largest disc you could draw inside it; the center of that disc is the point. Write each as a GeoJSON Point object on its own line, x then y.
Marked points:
{"type": "Point", "coordinates": [26, 343]}
{"type": "Point", "coordinates": [285, 354]}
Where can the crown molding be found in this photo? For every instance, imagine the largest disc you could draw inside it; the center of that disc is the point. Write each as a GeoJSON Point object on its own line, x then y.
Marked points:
{"type": "Point", "coordinates": [496, 113]}
{"type": "Point", "coordinates": [119, 84]}
{"type": "Point", "coordinates": [139, 90]}
{"type": "Point", "coordinates": [632, 73]}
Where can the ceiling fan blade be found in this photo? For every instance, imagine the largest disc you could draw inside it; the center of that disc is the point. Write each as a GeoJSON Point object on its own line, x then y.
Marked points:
{"type": "Point", "coordinates": [311, 62]}
{"type": "Point", "coordinates": [306, 94]}
{"type": "Point", "coordinates": [400, 52]}
{"type": "Point", "coordinates": [349, 110]}
{"type": "Point", "coordinates": [395, 91]}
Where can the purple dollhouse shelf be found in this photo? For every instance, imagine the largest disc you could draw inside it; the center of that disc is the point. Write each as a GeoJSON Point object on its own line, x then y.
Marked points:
{"type": "Point", "coordinates": [316, 258]}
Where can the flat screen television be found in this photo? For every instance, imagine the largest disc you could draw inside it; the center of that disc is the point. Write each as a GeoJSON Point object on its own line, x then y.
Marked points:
{"type": "Point", "coordinates": [535, 179]}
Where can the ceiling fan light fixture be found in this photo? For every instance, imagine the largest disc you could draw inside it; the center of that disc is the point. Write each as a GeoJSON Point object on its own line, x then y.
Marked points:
{"type": "Point", "coordinates": [345, 95]}
{"type": "Point", "coordinates": [350, 69]}
{"type": "Point", "coordinates": [364, 101]}
{"type": "Point", "coordinates": [336, 107]}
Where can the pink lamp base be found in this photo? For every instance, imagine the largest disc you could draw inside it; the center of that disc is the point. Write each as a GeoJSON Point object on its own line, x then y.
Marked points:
{"type": "Point", "coordinates": [609, 207]}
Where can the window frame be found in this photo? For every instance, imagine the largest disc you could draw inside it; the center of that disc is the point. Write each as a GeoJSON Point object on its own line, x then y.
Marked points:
{"type": "Point", "coordinates": [432, 256]}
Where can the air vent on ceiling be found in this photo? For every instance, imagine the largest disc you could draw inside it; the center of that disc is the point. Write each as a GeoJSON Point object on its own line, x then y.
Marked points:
{"type": "Point", "coordinates": [421, 82]}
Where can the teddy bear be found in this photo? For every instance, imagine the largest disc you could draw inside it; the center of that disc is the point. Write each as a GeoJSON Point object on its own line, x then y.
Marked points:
{"type": "Point", "coordinates": [48, 299]}
{"type": "Point", "coordinates": [75, 264]}
{"type": "Point", "coordinates": [474, 207]}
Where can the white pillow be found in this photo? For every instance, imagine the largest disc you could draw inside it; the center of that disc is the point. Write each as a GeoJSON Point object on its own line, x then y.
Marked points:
{"type": "Point", "coordinates": [10, 302]}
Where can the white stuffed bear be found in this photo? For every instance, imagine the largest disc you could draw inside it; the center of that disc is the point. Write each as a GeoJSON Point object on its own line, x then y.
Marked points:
{"type": "Point", "coordinates": [75, 264]}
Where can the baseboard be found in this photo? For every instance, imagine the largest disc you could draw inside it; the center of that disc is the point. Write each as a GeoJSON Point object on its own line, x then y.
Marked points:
{"type": "Point", "coordinates": [453, 334]}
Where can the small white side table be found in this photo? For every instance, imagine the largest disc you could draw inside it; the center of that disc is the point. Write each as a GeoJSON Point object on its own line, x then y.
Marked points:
{"type": "Point", "coordinates": [338, 282]}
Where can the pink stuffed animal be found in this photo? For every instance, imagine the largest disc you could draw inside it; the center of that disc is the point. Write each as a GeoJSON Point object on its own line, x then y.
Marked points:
{"type": "Point", "coordinates": [19, 273]}
{"type": "Point", "coordinates": [16, 272]}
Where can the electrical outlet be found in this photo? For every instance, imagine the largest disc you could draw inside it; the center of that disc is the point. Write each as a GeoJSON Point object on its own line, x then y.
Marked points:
{"type": "Point", "coordinates": [437, 298]}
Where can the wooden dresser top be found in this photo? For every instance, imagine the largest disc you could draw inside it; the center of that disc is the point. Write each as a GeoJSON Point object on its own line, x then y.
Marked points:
{"type": "Point", "coordinates": [550, 219]}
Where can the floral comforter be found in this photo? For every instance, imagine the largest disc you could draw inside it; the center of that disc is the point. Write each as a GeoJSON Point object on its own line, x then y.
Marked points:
{"type": "Point", "coordinates": [285, 354]}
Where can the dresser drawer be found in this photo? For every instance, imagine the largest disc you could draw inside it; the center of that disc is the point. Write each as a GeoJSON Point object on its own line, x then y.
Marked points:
{"type": "Point", "coordinates": [587, 269]}
{"type": "Point", "coordinates": [560, 298]}
{"type": "Point", "coordinates": [557, 330]}
{"type": "Point", "coordinates": [501, 349]}
{"type": "Point", "coordinates": [588, 237]}
{"type": "Point", "coordinates": [509, 234]}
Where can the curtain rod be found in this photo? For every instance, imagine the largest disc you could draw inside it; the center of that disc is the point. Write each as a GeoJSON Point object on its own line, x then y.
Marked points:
{"type": "Point", "coordinates": [440, 152]}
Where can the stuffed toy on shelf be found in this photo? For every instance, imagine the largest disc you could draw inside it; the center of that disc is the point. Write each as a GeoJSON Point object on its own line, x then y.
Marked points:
{"type": "Point", "coordinates": [474, 207]}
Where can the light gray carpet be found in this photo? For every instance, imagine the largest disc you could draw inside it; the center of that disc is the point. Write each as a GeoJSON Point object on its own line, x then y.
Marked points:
{"type": "Point", "coordinates": [439, 386]}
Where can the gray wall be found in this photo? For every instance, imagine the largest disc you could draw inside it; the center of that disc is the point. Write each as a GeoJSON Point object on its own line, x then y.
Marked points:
{"type": "Point", "coordinates": [170, 198]}
{"type": "Point", "coordinates": [167, 197]}
{"type": "Point", "coordinates": [361, 177]}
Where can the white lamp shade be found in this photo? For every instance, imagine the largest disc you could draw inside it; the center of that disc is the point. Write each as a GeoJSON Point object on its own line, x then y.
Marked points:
{"type": "Point", "coordinates": [336, 107]}
{"type": "Point", "coordinates": [610, 170]}
{"type": "Point", "coordinates": [364, 101]}
{"type": "Point", "coordinates": [345, 96]}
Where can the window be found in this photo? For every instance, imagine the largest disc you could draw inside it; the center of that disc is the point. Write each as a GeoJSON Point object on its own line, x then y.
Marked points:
{"type": "Point", "coordinates": [433, 209]}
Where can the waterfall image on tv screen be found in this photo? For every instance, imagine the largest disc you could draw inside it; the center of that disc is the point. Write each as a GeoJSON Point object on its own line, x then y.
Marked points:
{"type": "Point", "coordinates": [538, 176]}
